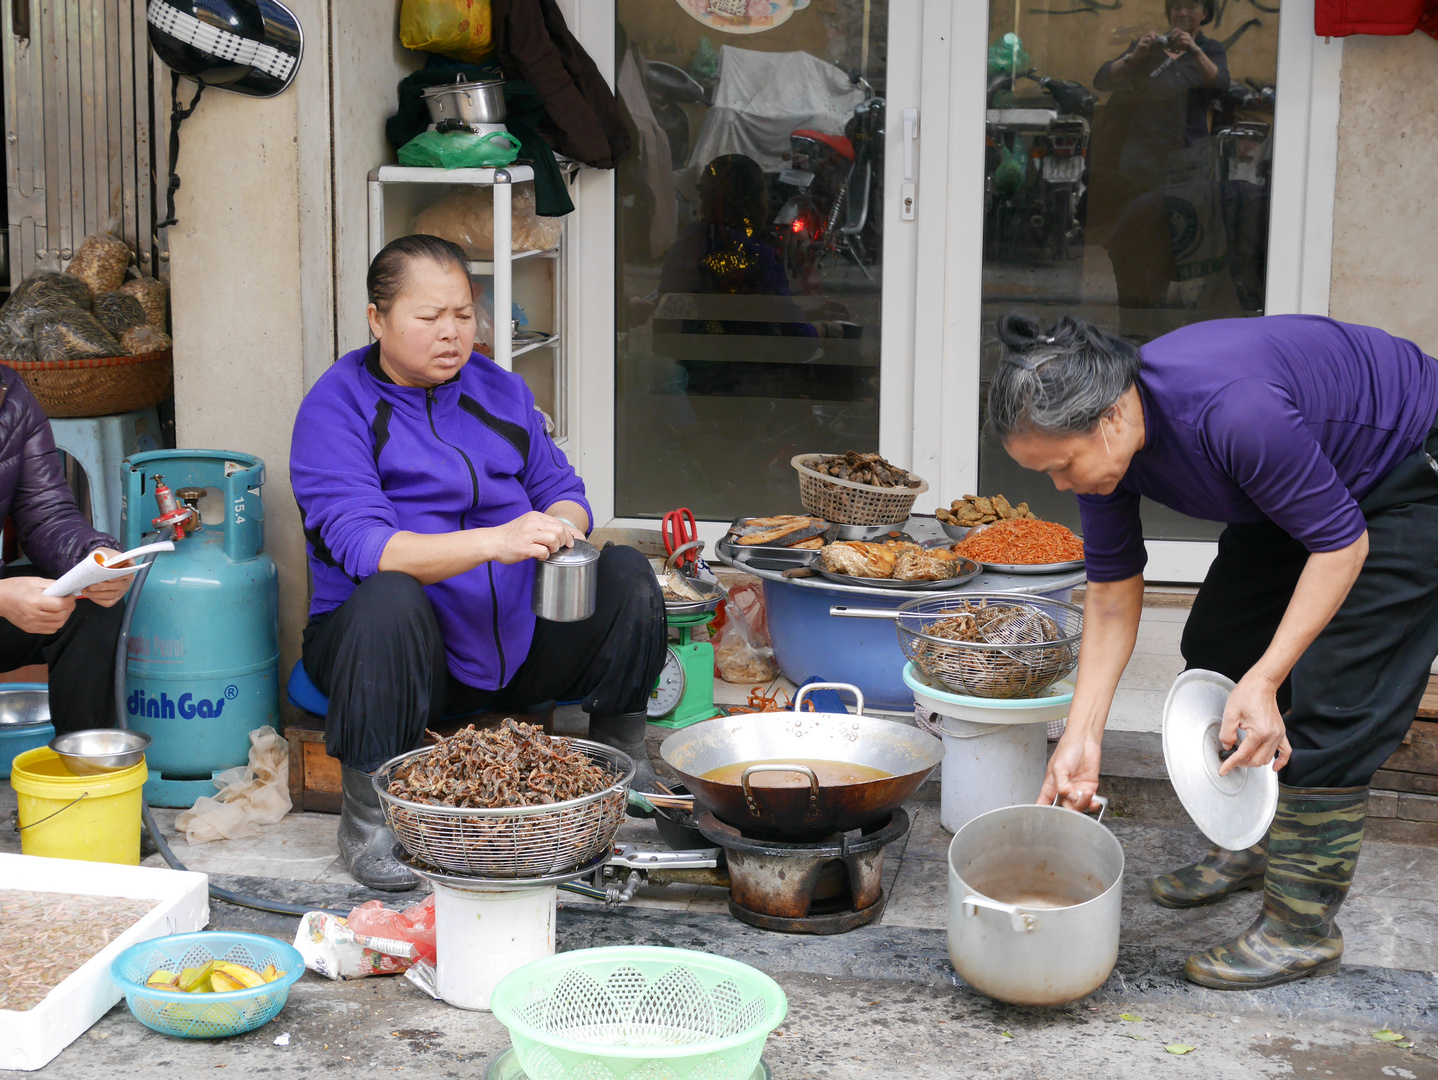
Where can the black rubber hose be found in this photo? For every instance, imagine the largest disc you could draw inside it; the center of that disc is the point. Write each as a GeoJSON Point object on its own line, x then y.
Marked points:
{"type": "Point", "coordinates": [121, 657]}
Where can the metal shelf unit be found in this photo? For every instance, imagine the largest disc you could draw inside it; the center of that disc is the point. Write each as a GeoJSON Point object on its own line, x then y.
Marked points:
{"type": "Point", "coordinates": [397, 192]}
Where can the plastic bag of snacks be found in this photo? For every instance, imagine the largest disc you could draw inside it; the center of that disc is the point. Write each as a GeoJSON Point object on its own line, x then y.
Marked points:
{"type": "Point", "coordinates": [100, 263]}
{"type": "Point", "coordinates": [742, 653]}
{"type": "Point", "coordinates": [118, 312]}
{"type": "Point", "coordinates": [466, 216]}
{"type": "Point", "coordinates": [152, 294]}
{"type": "Point", "coordinates": [371, 941]}
{"type": "Point", "coordinates": [460, 29]}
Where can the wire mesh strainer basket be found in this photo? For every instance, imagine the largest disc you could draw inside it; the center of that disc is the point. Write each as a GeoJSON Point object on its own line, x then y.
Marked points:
{"type": "Point", "coordinates": [637, 1011]}
{"type": "Point", "coordinates": [205, 1016]}
{"type": "Point", "coordinates": [516, 841]}
{"type": "Point", "coordinates": [991, 645]}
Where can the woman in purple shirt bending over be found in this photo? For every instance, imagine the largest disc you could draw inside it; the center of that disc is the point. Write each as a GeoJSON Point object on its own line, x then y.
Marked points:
{"type": "Point", "coordinates": [1315, 442]}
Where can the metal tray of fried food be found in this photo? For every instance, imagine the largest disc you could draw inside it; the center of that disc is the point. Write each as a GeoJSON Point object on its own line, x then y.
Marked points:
{"type": "Point", "coordinates": [776, 551]}
{"type": "Point", "coordinates": [1034, 568]}
{"type": "Point", "coordinates": [967, 572]}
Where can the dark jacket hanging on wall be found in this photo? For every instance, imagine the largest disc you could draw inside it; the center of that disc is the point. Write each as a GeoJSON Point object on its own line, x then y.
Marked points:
{"type": "Point", "coordinates": [581, 116]}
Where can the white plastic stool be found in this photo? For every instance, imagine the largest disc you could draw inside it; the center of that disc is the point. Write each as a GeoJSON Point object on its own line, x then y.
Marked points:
{"type": "Point", "coordinates": [99, 444]}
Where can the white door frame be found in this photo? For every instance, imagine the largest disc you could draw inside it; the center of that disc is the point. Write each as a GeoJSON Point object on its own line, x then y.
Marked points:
{"type": "Point", "coordinates": [592, 286]}
{"type": "Point", "coordinates": [946, 378]}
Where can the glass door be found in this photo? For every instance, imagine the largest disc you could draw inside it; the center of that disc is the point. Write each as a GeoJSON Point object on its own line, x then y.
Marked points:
{"type": "Point", "coordinates": [751, 227]}
{"type": "Point", "coordinates": [1127, 181]}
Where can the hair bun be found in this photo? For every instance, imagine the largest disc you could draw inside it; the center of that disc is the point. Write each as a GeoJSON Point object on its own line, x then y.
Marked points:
{"type": "Point", "coordinates": [1019, 330]}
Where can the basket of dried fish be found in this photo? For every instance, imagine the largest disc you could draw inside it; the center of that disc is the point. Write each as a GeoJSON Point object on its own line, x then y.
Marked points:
{"type": "Point", "coordinates": [856, 489]}
{"type": "Point", "coordinates": [506, 803]}
{"type": "Point", "coordinates": [988, 645]}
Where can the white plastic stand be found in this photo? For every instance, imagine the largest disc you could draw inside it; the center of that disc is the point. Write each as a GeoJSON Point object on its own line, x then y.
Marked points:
{"type": "Point", "coordinates": [482, 935]}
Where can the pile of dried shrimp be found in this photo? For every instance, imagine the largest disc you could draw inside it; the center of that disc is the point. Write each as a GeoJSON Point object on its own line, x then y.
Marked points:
{"type": "Point", "coordinates": [515, 764]}
{"type": "Point", "coordinates": [45, 937]}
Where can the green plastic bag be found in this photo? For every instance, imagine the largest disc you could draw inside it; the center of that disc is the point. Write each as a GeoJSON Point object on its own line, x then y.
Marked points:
{"type": "Point", "coordinates": [461, 29]}
{"type": "Point", "coordinates": [705, 64]}
{"type": "Point", "coordinates": [459, 150]}
{"type": "Point", "coordinates": [1011, 170]}
{"type": "Point", "coordinates": [1007, 56]}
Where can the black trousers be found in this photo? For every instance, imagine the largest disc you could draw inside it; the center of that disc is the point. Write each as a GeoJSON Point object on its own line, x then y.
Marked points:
{"type": "Point", "coordinates": [1353, 694]}
{"type": "Point", "coordinates": [380, 659]}
{"type": "Point", "coordinates": [81, 655]}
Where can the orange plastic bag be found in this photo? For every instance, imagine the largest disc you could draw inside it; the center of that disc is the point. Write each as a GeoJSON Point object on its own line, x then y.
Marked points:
{"type": "Point", "coordinates": [459, 29]}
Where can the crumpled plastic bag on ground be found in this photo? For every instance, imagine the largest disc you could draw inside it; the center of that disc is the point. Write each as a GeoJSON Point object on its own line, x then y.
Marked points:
{"type": "Point", "coordinates": [372, 941]}
{"type": "Point", "coordinates": [250, 795]}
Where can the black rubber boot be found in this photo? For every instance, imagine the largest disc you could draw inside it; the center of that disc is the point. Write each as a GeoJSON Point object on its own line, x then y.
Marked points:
{"type": "Point", "coordinates": [625, 732]}
{"type": "Point", "coordinates": [367, 845]}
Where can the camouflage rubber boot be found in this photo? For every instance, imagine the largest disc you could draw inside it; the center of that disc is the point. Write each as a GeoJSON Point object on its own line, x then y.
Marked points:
{"type": "Point", "coordinates": [1218, 874]}
{"type": "Point", "coordinates": [1312, 850]}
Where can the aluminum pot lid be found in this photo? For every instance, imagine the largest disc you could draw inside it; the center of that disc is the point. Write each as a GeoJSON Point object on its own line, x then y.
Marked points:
{"type": "Point", "coordinates": [1233, 811]}
{"type": "Point", "coordinates": [581, 554]}
{"type": "Point", "coordinates": [441, 89]}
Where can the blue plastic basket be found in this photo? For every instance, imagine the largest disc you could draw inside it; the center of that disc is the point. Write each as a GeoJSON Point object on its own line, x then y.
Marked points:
{"type": "Point", "coordinates": [205, 1016]}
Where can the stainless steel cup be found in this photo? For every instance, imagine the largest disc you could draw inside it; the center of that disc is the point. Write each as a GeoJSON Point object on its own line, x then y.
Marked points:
{"type": "Point", "coordinates": [564, 583]}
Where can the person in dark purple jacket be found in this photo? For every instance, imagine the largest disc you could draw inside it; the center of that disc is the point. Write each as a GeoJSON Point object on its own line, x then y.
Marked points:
{"type": "Point", "coordinates": [429, 485]}
{"type": "Point", "coordinates": [75, 636]}
{"type": "Point", "coordinates": [1315, 442]}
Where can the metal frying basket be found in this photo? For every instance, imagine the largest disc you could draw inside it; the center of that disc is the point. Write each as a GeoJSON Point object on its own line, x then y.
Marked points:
{"type": "Point", "coordinates": [516, 842]}
{"type": "Point", "coordinates": [1023, 644]}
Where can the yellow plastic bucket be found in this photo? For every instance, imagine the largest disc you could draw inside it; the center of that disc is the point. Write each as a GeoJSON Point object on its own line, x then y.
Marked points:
{"type": "Point", "coordinates": [64, 816]}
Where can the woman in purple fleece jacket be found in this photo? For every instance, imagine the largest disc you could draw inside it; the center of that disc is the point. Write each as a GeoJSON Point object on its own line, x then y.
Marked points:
{"type": "Point", "coordinates": [1315, 442]}
{"type": "Point", "coordinates": [429, 486]}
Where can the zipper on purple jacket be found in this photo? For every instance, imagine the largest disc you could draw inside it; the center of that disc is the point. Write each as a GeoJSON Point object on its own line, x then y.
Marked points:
{"type": "Point", "coordinates": [429, 399]}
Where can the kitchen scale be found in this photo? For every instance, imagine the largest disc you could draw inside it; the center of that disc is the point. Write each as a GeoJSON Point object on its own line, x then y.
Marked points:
{"type": "Point", "coordinates": [684, 694]}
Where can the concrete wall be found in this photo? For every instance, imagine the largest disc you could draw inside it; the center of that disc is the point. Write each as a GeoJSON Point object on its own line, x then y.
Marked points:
{"type": "Point", "coordinates": [251, 278]}
{"type": "Point", "coordinates": [1385, 213]}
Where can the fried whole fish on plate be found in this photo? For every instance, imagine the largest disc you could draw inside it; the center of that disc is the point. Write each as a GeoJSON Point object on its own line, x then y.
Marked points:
{"type": "Point", "coordinates": [926, 564]}
{"type": "Point", "coordinates": [783, 530]}
{"type": "Point", "coordinates": [899, 560]}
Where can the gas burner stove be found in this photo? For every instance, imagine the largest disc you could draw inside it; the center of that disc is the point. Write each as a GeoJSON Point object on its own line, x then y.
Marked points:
{"type": "Point", "coordinates": [829, 886]}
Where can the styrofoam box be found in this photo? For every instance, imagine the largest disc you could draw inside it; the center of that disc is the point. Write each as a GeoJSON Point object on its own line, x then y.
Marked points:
{"type": "Point", "coordinates": [30, 1039]}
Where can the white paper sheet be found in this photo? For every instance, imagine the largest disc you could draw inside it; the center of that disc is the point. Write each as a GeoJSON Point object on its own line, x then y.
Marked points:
{"type": "Point", "coordinates": [93, 569]}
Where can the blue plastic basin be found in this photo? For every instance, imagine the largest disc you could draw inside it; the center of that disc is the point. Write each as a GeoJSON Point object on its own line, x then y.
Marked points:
{"type": "Point", "coordinates": [24, 721]}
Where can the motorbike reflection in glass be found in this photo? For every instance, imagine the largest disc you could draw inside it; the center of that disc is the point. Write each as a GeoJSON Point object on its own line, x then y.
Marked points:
{"type": "Point", "coordinates": [835, 207]}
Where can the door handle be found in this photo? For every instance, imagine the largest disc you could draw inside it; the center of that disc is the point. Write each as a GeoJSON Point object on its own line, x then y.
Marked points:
{"type": "Point", "coordinates": [907, 193]}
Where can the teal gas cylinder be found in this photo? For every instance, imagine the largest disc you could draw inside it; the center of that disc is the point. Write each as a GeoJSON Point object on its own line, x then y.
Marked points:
{"type": "Point", "coordinates": [203, 664]}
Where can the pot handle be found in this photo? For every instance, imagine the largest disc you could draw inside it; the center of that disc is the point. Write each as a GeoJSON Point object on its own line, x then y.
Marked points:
{"type": "Point", "coordinates": [846, 612]}
{"type": "Point", "coordinates": [858, 694]}
{"type": "Point", "coordinates": [1102, 801]}
{"type": "Point", "coordinates": [1023, 922]}
{"type": "Point", "coordinates": [754, 803]}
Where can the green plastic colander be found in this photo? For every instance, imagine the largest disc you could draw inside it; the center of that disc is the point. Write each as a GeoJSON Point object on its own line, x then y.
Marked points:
{"type": "Point", "coordinates": [637, 1011]}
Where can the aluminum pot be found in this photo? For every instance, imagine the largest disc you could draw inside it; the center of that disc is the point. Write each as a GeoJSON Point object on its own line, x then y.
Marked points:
{"type": "Point", "coordinates": [467, 102]}
{"type": "Point", "coordinates": [1034, 902]}
{"type": "Point", "coordinates": [565, 583]}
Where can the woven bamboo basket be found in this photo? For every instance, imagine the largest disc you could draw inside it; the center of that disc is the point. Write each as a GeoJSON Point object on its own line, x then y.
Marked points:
{"type": "Point", "coordinates": [99, 387]}
{"type": "Point", "coordinates": [845, 502]}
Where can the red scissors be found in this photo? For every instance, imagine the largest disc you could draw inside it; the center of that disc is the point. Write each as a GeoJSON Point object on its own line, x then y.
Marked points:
{"type": "Point", "coordinates": [679, 529]}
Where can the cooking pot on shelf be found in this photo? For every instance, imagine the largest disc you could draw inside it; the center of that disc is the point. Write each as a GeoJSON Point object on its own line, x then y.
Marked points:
{"type": "Point", "coordinates": [1034, 902]}
{"type": "Point", "coordinates": [468, 103]}
{"type": "Point", "coordinates": [785, 740]}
